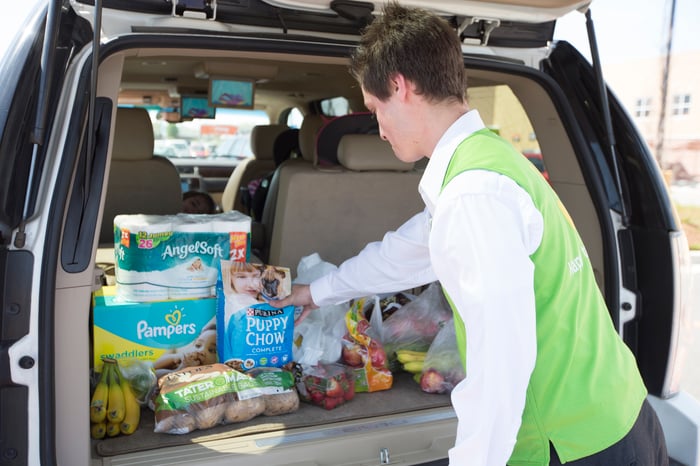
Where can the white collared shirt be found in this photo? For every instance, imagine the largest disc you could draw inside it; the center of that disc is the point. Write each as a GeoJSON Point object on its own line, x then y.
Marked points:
{"type": "Point", "coordinates": [475, 236]}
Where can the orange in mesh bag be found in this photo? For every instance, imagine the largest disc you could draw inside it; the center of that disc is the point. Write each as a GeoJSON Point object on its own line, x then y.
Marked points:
{"type": "Point", "coordinates": [364, 353]}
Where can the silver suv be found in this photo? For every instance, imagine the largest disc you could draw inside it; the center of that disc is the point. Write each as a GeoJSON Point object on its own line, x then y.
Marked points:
{"type": "Point", "coordinates": [65, 155]}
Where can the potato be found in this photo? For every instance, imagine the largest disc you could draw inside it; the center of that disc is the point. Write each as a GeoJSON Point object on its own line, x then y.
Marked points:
{"type": "Point", "coordinates": [281, 403]}
{"type": "Point", "coordinates": [244, 410]}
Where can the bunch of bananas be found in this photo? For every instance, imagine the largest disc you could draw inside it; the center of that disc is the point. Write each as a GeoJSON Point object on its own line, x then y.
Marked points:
{"type": "Point", "coordinates": [114, 408]}
{"type": "Point", "coordinates": [411, 361]}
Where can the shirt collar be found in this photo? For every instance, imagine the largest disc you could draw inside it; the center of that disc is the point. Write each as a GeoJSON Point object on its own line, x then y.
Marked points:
{"type": "Point", "coordinates": [431, 182]}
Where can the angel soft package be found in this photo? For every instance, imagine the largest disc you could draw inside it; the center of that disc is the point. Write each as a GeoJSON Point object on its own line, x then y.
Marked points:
{"type": "Point", "coordinates": [250, 332]}
{"type": "Point", "coordinates": [161, 257]}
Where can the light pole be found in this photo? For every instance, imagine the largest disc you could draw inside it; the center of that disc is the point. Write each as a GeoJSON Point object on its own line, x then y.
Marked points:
{"type": "Point", "coordinates": [665, 70]}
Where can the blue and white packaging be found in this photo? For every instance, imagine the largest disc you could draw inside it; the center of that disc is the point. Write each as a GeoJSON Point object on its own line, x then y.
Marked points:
{"type": "Point", "coordinates": [250, 332]}
{"type": "Point", "coordinates": [160, 257]}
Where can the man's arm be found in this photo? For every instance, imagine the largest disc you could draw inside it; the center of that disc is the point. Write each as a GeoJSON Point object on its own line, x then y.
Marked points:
{"type": "Point", "coordinates": [484, 229]}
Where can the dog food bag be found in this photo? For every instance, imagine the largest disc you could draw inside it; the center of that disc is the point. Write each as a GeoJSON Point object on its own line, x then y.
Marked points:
{"type": "Point", "coordinates": [250, 332]}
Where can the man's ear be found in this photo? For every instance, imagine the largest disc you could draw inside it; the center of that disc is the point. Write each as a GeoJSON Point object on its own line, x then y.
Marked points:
{"type": "Point", "coordinates": [401, 86]}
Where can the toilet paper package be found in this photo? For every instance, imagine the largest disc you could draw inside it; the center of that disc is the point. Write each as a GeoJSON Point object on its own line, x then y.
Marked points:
{"type": "Point", "coordinates": [159, 257]}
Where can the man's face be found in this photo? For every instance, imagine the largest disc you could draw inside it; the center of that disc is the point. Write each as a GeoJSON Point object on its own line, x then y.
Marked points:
{"type": "Point", "coordinates": [395, 125]}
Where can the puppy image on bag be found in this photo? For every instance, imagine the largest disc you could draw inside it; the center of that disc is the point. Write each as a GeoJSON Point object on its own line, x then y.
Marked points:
{"type": "Point", "coordinates": [250, 332]}
{"type": "Point", "coordinates": [273, 281]}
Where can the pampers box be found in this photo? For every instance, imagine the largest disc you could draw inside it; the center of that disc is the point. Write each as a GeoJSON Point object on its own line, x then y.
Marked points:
{"type": "Point", "coordinates": [162, 257]}
{"type": "Point", "coordinates": [146, 331]}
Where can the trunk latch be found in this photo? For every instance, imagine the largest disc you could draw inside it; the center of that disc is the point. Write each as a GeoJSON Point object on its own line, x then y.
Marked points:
{"type": "Point", "coordinates": [198, 9]}
{"type": "Point", "coordinates": [483, 29]}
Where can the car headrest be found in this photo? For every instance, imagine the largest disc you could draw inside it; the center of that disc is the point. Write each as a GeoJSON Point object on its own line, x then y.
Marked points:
{"type": "Point", "coordinates": [368, 152]}
{"type": "Point", "coordinates": [262, 139]}
{"type": "Point", "coordinates": [307, 136]}
{"type": "Point", "coordinates": [133, 134]}
{"type": "Point", "coordinates": [329, 136]}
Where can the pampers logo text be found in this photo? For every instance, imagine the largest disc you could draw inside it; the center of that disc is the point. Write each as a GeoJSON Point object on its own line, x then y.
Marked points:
{"type": "Point", "coordinates": [144, 330]}
{"type": "Point", "coordinates": [198, 247]}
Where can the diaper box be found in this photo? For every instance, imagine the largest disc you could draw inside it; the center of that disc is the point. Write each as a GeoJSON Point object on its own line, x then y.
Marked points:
{"type": "Point", "coordinates": [161, 257]}
{"type": "Point", "coordinates": [169, 333]}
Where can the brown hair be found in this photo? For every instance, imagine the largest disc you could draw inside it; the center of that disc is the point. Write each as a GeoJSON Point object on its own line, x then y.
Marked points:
{"type": "Point", "coordinates": [421, 46]}
{"type": "Point", "coordinates": [244, 267]}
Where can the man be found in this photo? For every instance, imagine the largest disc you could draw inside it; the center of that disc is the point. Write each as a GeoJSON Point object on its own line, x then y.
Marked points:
{"type": "Point", "coordinates": [548, 380]}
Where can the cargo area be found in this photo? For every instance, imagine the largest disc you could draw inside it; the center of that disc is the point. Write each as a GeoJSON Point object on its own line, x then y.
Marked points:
{"type": "Point", "coordinates": [405, 396]}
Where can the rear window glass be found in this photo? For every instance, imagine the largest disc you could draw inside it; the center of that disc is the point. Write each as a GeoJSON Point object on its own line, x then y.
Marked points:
{"type": "Point", "coordinates": [224, 137]}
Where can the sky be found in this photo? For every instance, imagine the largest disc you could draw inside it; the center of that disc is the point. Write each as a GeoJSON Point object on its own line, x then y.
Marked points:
{"type": "Point", "coordinates": [633, 29]}
{"type": "Point", "coordinates": [625, 29]}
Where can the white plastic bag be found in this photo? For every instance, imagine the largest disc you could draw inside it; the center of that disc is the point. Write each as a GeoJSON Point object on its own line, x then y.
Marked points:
{"type": "Point", "coordinates": [317, 338]}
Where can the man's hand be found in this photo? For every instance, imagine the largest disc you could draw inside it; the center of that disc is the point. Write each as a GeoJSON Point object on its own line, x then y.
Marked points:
{"type": "Point", "coordinates": [300, 297]}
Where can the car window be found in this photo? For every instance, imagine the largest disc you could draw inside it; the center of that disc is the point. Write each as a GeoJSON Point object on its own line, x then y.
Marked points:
{"type": "Point", "coordinates": [294, 117]}
{"type": "Point", "coordinates": [337, 106]}
{"type": "Point", "coordinates": [226, 137]}
{"type": "Point", "coordinates": [504, 114]}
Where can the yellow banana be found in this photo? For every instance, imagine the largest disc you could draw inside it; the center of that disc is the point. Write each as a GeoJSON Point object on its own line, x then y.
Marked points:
{"type": "Point", "coordinates": [98, 430]}
{"type": "Point", "coordinates": [417, 376]}
{"type": "Point", "coordinates": [112, 429]}
{"type": "Point", "coordinates": [405, 356]}
{"type": "Point", "coordinates": [98, 402]}
{"type": "Point", "coordinates": [115, 400]}
{"type": "Point", "coordinates": [132, 409]}
{"type": "Point", "coordinates": [413, 367]}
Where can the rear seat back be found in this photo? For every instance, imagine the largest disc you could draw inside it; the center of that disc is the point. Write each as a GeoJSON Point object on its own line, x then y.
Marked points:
{"type": "Point", "coordinates": [262, 139]}
{"type": "Point", "coordinates": [139, 182]}
{"type": "Point", "coordinates": [307, 146]}
{"type": "Point", "coordinates": [369, 193]}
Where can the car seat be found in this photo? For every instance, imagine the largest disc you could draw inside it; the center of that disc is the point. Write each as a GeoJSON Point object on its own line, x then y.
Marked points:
{"type": "Point", "coordinates": [323, 219]}
{"type": "Point", "coordinates": [332, 131]}
{"type": "Point", "coordinates": [139, 182]}
{"type": "Point", "coordinates": [262, 138]}
{"type": "Point", "coordinates": [286, 146]}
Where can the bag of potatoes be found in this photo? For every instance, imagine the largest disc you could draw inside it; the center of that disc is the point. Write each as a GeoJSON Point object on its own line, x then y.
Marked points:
{"type": "Point", "coordinates": [202, 397]}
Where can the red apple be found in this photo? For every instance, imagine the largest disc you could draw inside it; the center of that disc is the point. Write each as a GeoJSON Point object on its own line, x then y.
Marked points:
{"type": "Point", "coordinates": [353, 354]}
{"type": "Point", "coordinates": [376, 354]}
{"type": "Point", "coordinates": [432, 382]}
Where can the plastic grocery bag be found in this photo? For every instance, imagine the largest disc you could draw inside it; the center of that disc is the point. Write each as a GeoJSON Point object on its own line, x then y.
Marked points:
{"type": "Point", "coordinates": [363, 353]}
{"type": "Point", "coordinates": [442, 367]}
{"type": "Point", "coordinates": [415, 324]}
{"type": "Point", "coordinates": [327, 385]}
{"type": "Point", "coordinates": [317, 338]}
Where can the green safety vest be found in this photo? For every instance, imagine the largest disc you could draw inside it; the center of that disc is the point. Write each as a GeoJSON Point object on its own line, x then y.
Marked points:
{"type": "Point", "coordinates": [585, 391]}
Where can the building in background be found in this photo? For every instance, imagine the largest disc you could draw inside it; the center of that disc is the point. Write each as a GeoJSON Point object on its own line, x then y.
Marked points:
{"type": "Point", "coordinates": [638, 85]}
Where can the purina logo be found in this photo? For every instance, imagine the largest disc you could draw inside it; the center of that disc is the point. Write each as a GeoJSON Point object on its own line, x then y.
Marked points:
{"type": "Point", "coordinates": [173, 327]}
